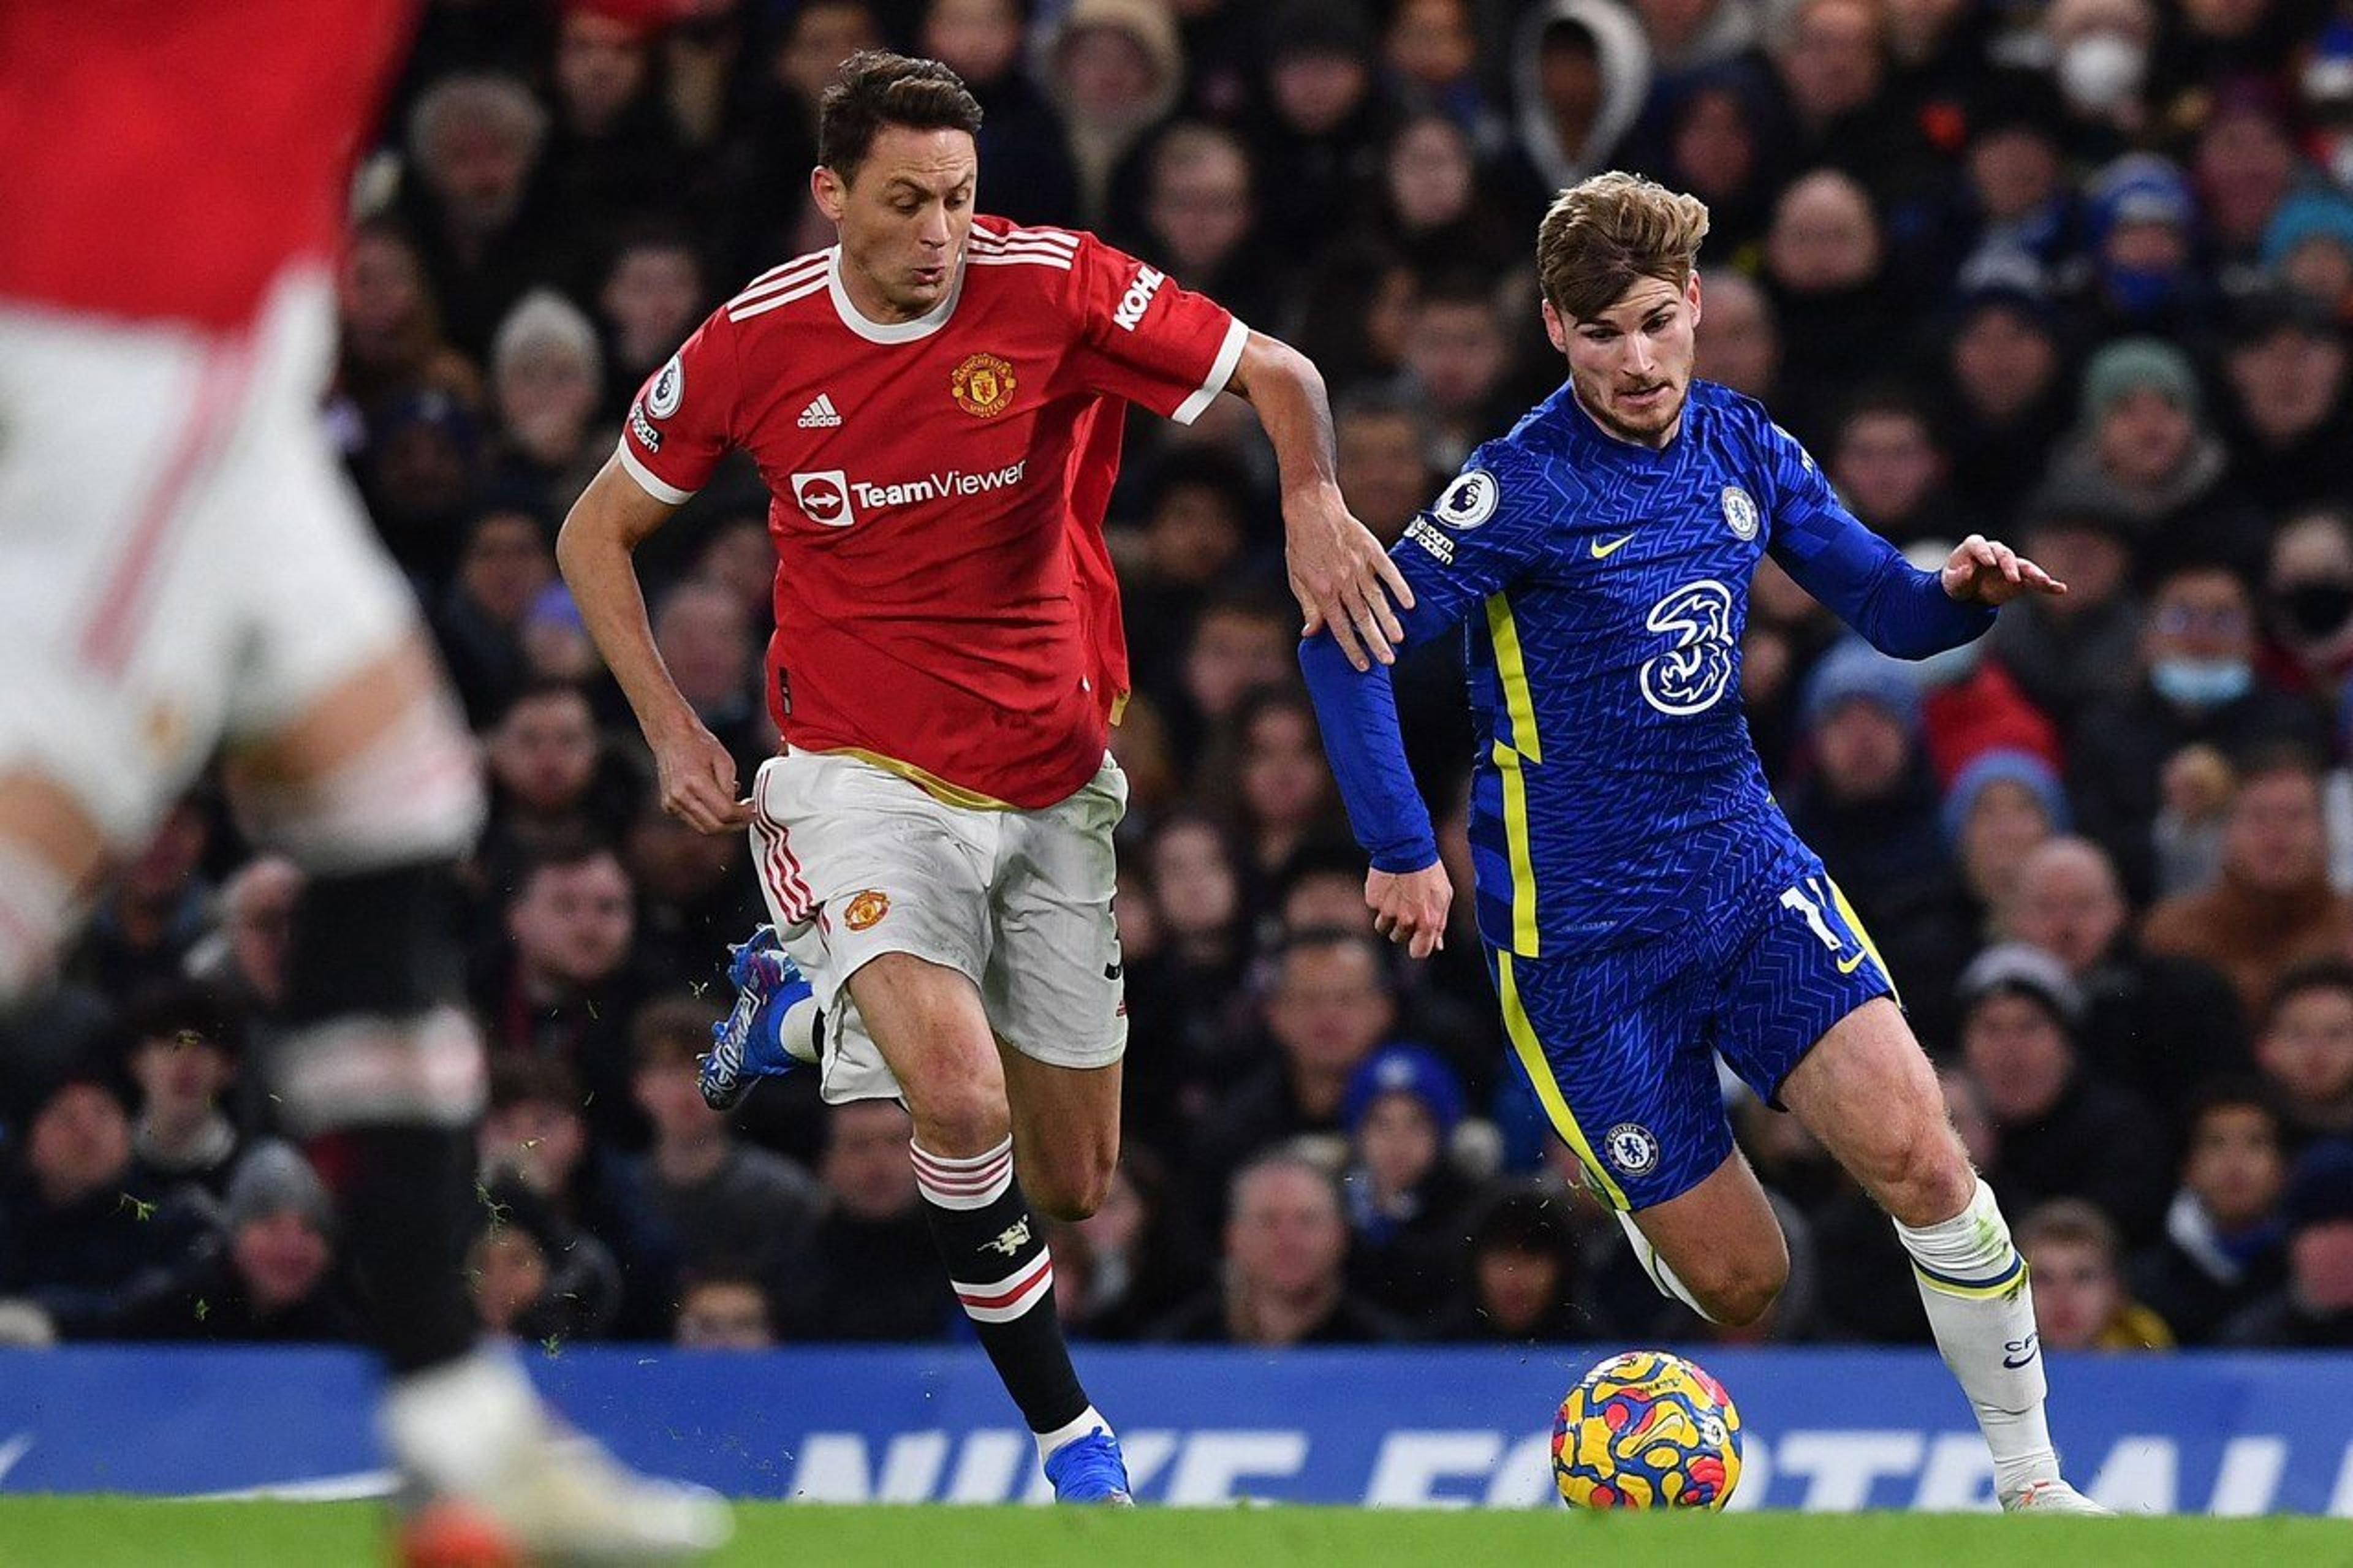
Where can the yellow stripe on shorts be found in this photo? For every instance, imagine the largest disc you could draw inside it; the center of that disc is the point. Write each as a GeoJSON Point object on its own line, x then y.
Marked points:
{"type": "Point", "coordinates": [1523, 1033]}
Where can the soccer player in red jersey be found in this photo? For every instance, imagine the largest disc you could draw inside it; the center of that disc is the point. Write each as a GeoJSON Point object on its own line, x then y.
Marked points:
{"type": "Point", "coordinates": [180, 565]}
{"type": "Point", "coordinates": [936, 405]}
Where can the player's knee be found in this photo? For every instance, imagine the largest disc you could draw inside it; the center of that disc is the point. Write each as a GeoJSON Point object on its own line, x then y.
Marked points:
{"type": "Point", "coordinates": [959, 1109]}
{"type": "Point", "coordinates": [1743, 1285]}
{"type": "Point", "coordinates": [1925, 1177]}
{"type": "Point", "coordinates": [1071, 1187]}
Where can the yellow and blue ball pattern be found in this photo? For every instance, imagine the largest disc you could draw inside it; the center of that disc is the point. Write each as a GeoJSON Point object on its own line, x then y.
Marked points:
{"type": "Point", "coordinates": [1646, 1429]}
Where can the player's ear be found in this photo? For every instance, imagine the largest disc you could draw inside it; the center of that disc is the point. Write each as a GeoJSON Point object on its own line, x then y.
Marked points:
{"type": "Point", "coordinates": [1691, 294]}
{"type": "Point", "coordinates": [831, 191]}
{"type": "Point", "coordinates": [1554, 327]}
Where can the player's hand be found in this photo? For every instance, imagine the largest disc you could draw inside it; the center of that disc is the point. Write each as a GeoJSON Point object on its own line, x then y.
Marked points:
{"type": "Point", "coordinates": [1342, 577]}
{"type": "Point", "coordinates": [1411, 906]}
{"type": "Point", "coordinates": [1987, 571]}
{"type": "Point", "coordinates": [696, 779]}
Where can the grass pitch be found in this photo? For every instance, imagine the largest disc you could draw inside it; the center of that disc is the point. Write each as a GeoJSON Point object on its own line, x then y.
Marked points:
{"type": "Point", "coordinates": [125, 1532]}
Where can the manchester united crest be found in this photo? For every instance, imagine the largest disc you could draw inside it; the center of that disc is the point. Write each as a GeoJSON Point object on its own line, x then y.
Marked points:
{"type": "Point", "coordinates": [983, 386]}
{"type": "Point", "coordinates": [865, 909]}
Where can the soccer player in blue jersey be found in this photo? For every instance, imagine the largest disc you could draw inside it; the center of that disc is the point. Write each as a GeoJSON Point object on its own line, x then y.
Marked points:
{"type": "Point", "coordinates": [1643, 902]}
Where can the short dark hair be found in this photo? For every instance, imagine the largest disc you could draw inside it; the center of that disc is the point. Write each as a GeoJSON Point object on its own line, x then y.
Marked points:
{"type": "Point", "coordinates": [874, 88]}
{"type": "Point", "coordinates": [2314, 975]}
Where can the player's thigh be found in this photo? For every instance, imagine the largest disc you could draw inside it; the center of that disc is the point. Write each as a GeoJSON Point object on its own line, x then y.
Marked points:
{"type": "Point", "coordinates": [1055, 984]}
{"type": "Point", "coordinates": [1868, 1092]}
{"type": "Point", "coordinates": [1612, 1046]}
{"type": "Point", "coordinates": [926, 1021]}
{"type": "Point", "coordinates": [858, 864]}
{"type": "Point", "coordinates": [1789, 963]}
{"type": "Point", "coordinates": [1721, 1236]}
{"type": "Point", "coordinates": [113, 441]}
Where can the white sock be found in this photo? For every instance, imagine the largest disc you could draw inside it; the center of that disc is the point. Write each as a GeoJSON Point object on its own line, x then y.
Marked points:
{"type": "Point", "coordinates": [1090, 1420]}
{"type": "Point", "coordinates": [1656, 1267]}
{"type": "Point", "coordinates": [453, 1426]}
{"type": "Point", "coordinates": [1981, 1307]}
{"type": "Point", "coordinates": [796, 1031]}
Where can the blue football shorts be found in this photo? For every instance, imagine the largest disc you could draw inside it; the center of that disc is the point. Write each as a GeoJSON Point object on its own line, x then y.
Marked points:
{"type": "Point", "coordinates": [1619, 1044]}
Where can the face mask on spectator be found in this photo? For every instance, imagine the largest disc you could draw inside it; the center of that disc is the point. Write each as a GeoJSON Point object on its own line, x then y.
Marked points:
{"type": "Point", "coordinates": [2201, 682]}
{"type": "Point", "coordinates": [2101, 71]}
{"type": "Point", "coordinates": [2140, 290]}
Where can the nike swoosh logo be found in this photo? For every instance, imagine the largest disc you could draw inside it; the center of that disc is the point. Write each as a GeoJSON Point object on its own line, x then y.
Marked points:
{"type": "Point", "coordinates": [1848, 966]}
{"type": "Point", "coordinates": [1603, 551]}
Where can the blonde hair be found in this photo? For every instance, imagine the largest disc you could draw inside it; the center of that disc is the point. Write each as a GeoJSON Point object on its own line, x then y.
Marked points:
{"type": "Point", "coordinates": [1603, 234]}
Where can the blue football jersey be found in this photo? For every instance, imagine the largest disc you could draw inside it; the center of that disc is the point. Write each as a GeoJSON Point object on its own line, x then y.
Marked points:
{"type": "Point", "coordinates": [1604, 590]}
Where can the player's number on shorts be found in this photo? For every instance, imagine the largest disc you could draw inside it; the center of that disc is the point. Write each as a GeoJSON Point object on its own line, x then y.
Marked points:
{"type": "Point", "coordinates": [1812, 908]}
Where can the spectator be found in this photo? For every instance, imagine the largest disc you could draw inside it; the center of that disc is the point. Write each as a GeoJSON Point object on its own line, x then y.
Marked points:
{"type": "Point", "coordinates": [1384, 443]}
{"type": "Point", "coordinates": [2224, 1246]}
{"type": "Point", "coordinates": [2308, 597]}
{"type": "Point", "coordinates": [707, 643]}
{"type": "Point", "coordinates": [2154, 1024]}
{"type": "Point", "coordinates": [723, 1200]}
{"type": "Point", "coordinates": [185, 1042]}
{"type": "Point", "coordinates": [1113, 68]}
{"type": "Point", "coordinates": [2129, 764]}
{"type": "Point", "coordinates": [1022, 141]}
{"type": "Point", "coordinates": [245, 957]}
{"type": "Point", "coordinates": [2314, 1308]}
{"type": "Point", "coordinates": [647, 302]}
{"type": "Point", "coordinates": [1285, 1280]}
{"type": "Point", "coordinates": [1581, 69]}
{"type": "Point", "coordinates": [2142, 446]}
{"type": "Point", "coordinates": [1739, 339]}
{"type": "Point", "coordinates": [2064, 1132]}
{"type": "Point", "coordinates": [1525, 1278]}
{"type": "Point", "coordinates": [2007, 403]}
{"type": "Point", "coordinates": [1406, 1198]}
{"type": "Point", "coordinates": [2305, 1046]}
{"type": "Point", "coordinates": [1321, 125]}
{"type": "Point", "coordinates": [1432, 198]}
{"type": "Point", "coordinates": [1825, 265]}
{"type": "Point", "coordinates": [474, 147]}
{"type": "Point", "coordinates": [2245, 162]}
{"type": "Point", "coordinates": [1886, 464]}
{"type": "Point", "coordinates": [614, 153]}
{"type": "Point", "coordinates": [75, 1235]}
{"type": "Point", "coordinates": [1330, 1003]}
{"type": "Point", "coordinates": [2076, 652]}
{"type": "Point", "coordinates": [421, 474]}
{"type": "Point", "coordinates": [551, 782]}
{"type": "Point", "coordinates": [1999, 811]}
{"type": "Point", "coordinates": [2141, 223]}
{"type": "Point", "coordinates": [1271, 763]}
{"type": "Point", "coordinates": [2102, 50]}
{"type": "Point", "coordinates": [2286, 417]}
{"type": "Point", "coordinates": [1689, 36]}
{"type": "Point", "coordinates": [2271, 904]}
{"type": "Point", "coordinates": [504, 563]}
{"type": "Point", "coordinates": [870, 1271]}
{"type": "Point", "coordinates": [534, 1277]}
{"type": "Point", "coordinates": [2309, 247]}
{"type": "Point", "coordinates": [696, 894]}
{"type": "Point", "coordinates": [547, 375]}
{"type": "Point", "coordinates": [561, 986]}
{"type": "Point", "coordinates": [1196, 530]}
{"type": "Point", "coordinates": [1240, 642]}
{"type": "Point", "coordinates": [1432, 50]}
{"type": "Point", "coordinates": [391, 328]}
{"type": "Point", "coordinates": [273, 1280]}
{"type": "Point", "coordinates": [2080, 1303]}
{"type": "Point", "coordinates": [720, 1310]}
{"type": "Point", "coordinates": [1721, 138]}
{"type": "Point", "coordinates": [1199, 211]}
{"type": "Point", "coordinates": [1456, 357]}
{"type": "Point", "coordinates": [154, 914]}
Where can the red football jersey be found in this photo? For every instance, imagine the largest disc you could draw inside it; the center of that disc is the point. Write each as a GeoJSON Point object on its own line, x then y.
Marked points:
{"type": "Point", "coordinates": [944, 601]}
{"type": "Point", "coordinates": [166, 159]}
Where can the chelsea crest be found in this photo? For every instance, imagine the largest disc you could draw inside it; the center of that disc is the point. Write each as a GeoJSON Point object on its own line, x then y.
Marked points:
{"type": "Point", "coordinates": [1740, 513]}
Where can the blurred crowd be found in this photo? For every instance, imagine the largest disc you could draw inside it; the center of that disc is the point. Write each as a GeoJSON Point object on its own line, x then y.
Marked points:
{"type": "Point", "coordinates": [2078, 275]}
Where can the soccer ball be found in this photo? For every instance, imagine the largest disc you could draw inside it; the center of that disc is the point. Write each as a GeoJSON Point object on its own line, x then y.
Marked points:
{"type": "Point", "coordinates": [1646, 1429]}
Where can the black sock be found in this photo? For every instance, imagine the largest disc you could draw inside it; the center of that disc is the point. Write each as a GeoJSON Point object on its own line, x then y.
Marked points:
{"type": "Point", "coordinates": [408, 1210]}
{"type": "Point", "coordinates": [995, 1250]}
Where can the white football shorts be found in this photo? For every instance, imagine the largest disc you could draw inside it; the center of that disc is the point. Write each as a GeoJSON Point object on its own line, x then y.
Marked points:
{"type": "Point", "coordinates": [857, 861]}
{"type": "Point", "coordinates": [180, 558]}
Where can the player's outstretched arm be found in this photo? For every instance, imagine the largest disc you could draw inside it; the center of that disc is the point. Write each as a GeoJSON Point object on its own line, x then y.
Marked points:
{"type": "Point", "coordinates": [1342, 576]}
{"type": "Point", "coordinates": [596, 550]}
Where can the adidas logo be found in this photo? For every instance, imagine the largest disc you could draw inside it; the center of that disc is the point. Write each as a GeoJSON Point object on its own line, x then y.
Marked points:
{"type": "Point", "coordinates": [819, 415]}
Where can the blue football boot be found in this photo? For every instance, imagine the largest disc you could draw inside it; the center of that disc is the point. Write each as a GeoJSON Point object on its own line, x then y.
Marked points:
{"type": "Point", "coordinates": [748, 1043]}
{"type": "Point", "coordinates": [1090, 1469]}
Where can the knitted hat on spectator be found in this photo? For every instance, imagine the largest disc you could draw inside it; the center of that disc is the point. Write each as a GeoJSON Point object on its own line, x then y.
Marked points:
{"type": "Point", "coordinates": [2140, 187]}
{"type": "Point", "coordinates": [2003, 764]}
{"type": "Point", "coordinates": [2135, 364]}
{"type": "Point", "coordinates": [1854, 672]}
{"type": "Point", "coordinates": [1405, 1068]}
{"type": "Point", "coordinates": [2320, 1188]}
{"type": "Point", "coordinates": [2313, 212]}
{"type": "Point", "coordinates": [1318, 27]}
{"type": "Point", "coordinates": [2018, 969]}
{"type": "Point", "coordinates": [272, 1179]}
